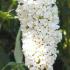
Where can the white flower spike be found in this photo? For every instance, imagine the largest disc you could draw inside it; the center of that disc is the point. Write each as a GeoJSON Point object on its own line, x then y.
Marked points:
{"type": "Point", "coordinates": [40, 35]}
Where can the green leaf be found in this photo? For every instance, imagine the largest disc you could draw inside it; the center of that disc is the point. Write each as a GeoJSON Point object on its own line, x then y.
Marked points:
{"type": "Point", "coordinates": [18, 52]}
{"type": "Point", "coordinates": [14, 66]}
{"type": "Point", "coordinates": [9, 64]}
{"type": "Point", "coordinates": [6, 15]}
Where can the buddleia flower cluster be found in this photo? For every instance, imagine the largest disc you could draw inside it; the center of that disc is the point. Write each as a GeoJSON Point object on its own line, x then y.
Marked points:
{"type": "Point", "coordinates": [39, 24]}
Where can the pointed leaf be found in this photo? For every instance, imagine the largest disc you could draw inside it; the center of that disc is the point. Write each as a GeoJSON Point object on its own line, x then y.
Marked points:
{"type": "Point", "coordinates": [18, 52]}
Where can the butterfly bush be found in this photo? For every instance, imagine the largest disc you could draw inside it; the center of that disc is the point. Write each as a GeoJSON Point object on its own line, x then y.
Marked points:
{"type": "Point", "coordinates": [40, 32]}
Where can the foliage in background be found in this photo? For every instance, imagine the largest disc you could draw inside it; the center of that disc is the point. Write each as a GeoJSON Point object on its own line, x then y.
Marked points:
{"type": "Point", "coordinates": [10, 37]}
{"type": "Point", "coordinates": [64, 46]}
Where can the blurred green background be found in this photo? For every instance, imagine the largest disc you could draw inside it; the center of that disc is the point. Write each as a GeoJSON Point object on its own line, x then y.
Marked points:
{"type": "Point", "coordinates": [10, 37]}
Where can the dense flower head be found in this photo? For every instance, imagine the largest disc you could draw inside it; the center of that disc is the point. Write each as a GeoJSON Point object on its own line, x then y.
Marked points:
{"type": "Point", "coordinates": [40, 32]}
